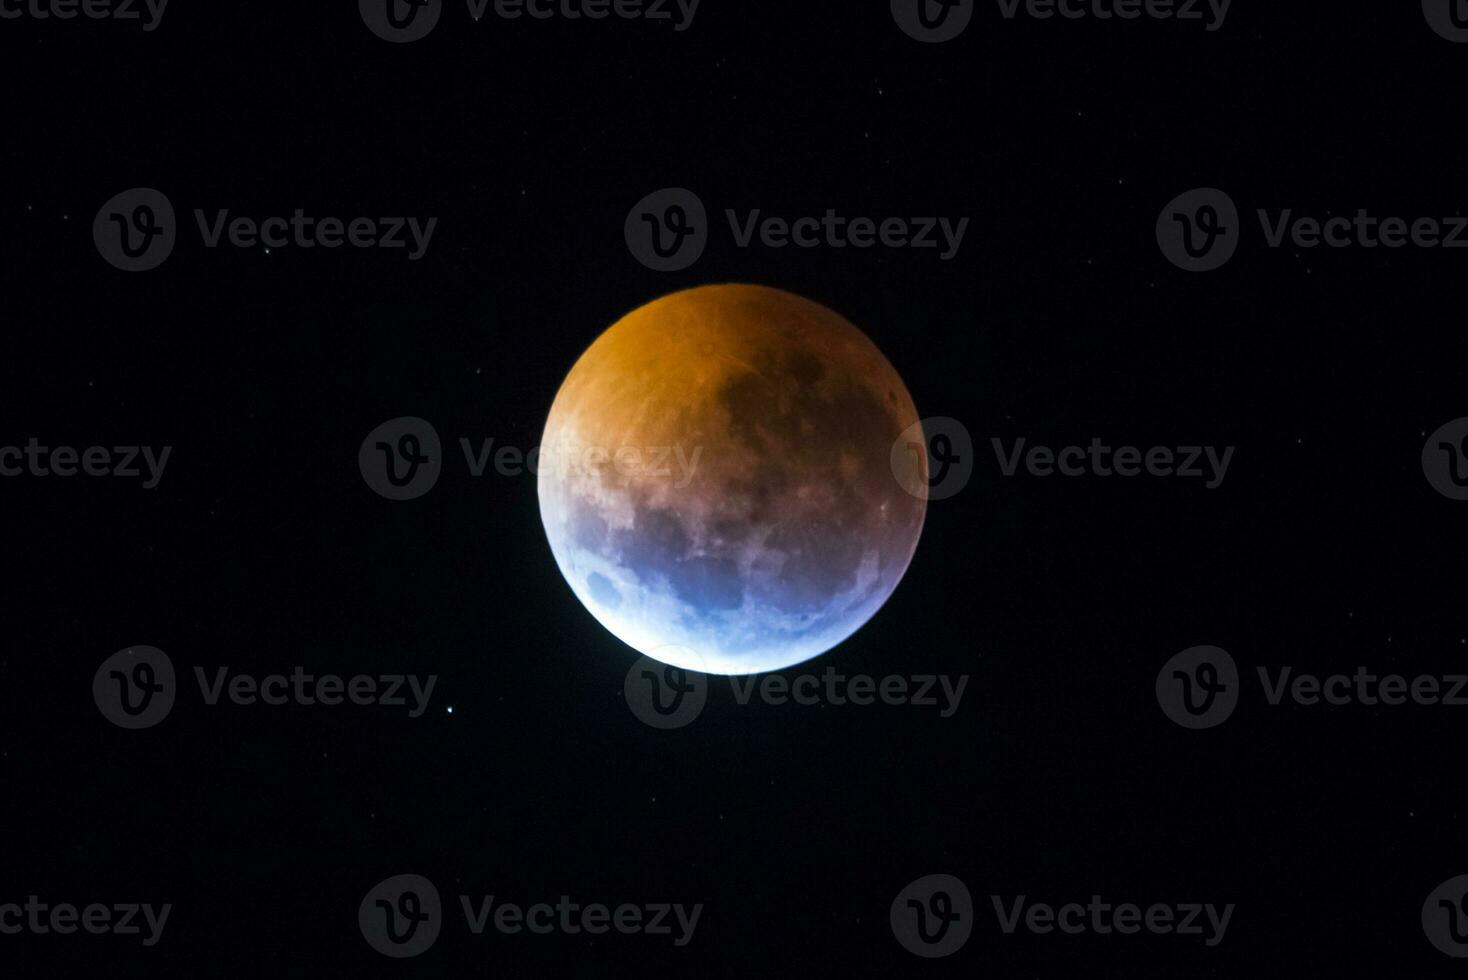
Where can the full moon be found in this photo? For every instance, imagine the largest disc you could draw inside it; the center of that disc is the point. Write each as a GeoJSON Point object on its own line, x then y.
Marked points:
{"type": "Point", "coordinates": [719, 483]}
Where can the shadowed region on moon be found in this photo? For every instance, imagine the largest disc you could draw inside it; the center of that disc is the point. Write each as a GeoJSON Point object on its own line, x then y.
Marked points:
{"type": "Point", "coordinates": [716, 479]}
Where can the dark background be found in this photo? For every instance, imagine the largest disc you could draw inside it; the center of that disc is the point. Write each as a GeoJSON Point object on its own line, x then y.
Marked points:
{"type": "Point", "coordinates": [1059, 778]}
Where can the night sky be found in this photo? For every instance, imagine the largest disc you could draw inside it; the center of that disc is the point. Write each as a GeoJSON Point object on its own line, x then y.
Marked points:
{"type": "Point", "coordinates": [1058, 320]}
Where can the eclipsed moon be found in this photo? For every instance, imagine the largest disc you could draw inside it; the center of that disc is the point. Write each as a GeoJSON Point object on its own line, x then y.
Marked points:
{"type": "Point", "coordinates": [717, 479]}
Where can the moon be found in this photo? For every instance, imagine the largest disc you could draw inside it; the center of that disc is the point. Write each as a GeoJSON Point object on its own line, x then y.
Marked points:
{"type": "Point", "coordinates": [719, 484]}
